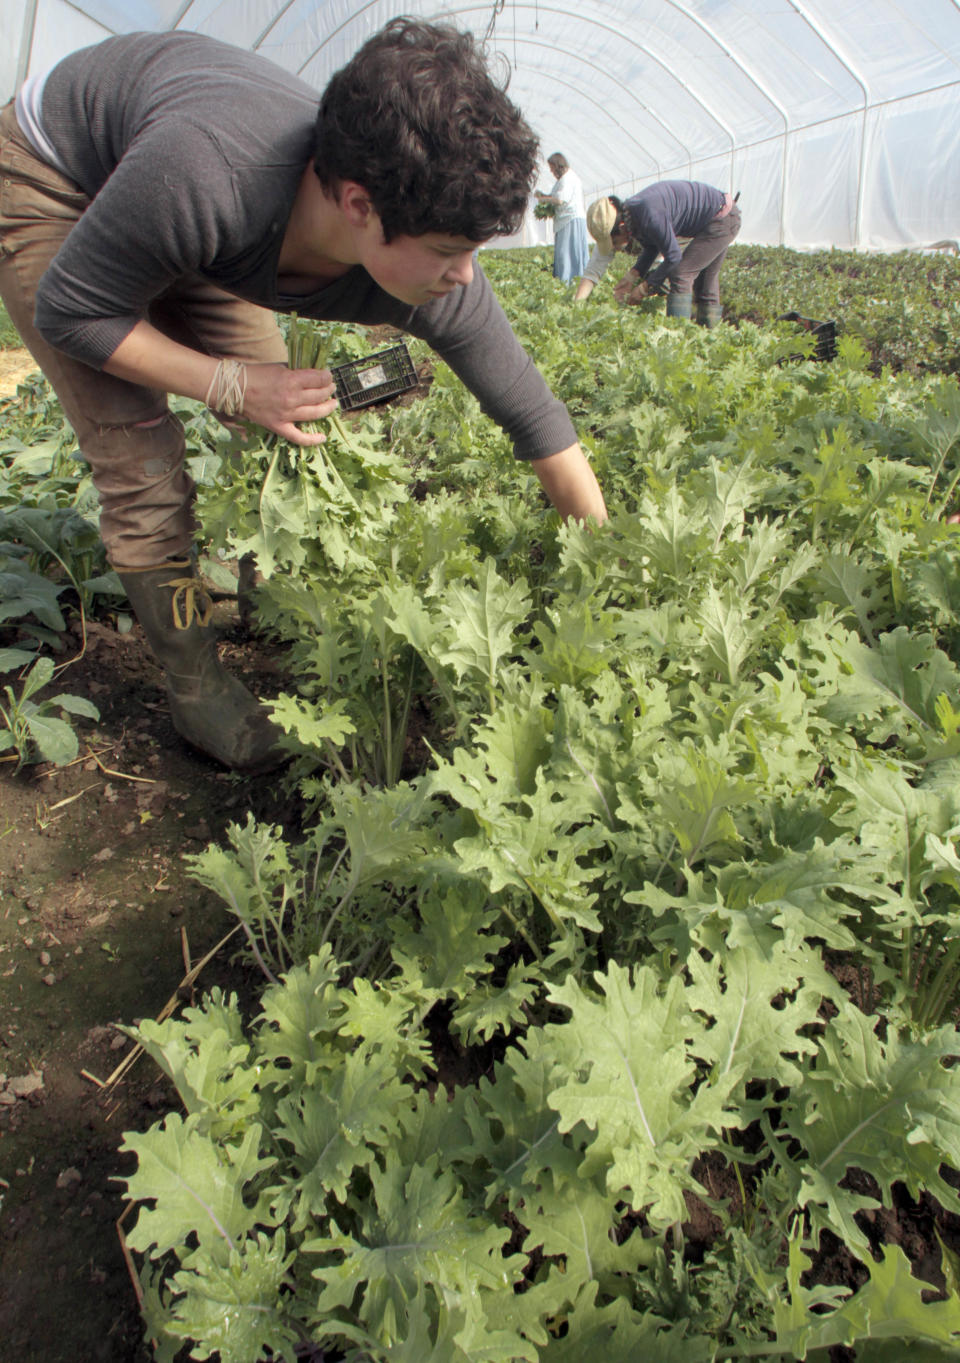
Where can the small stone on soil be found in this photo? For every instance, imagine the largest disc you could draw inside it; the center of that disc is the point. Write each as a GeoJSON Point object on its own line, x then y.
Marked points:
{"type": "Point", "coordinates": [22, 1085]}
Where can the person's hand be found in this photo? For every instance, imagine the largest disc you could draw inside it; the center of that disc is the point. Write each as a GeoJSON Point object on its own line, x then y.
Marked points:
{"type": "Point", "coordinates": [281, 399]}
{"type": "Point", "coordinates": [623, 287]}
{"type": "Point", "coordinates": [638, 293]}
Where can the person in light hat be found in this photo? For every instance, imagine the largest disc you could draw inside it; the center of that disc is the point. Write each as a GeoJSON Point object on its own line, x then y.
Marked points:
{"type": "Point", "coordinates": [653, 220]}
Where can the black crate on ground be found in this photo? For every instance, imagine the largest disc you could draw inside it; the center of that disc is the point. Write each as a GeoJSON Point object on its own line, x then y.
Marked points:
{"type": "Point", "coordinates": [825, 332]}
{"type": "Point", "coordinates": [374, 377]}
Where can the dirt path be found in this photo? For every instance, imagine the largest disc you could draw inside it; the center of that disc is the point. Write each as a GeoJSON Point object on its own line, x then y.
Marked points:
{"type": "Point", "coordinates": [15, 365]}
{"type": "Point", "coordinates": [96, 913]}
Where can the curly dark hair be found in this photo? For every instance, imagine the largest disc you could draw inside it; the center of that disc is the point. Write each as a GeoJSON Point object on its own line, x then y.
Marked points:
{"type": "Point", "coordinates": [416, 118]}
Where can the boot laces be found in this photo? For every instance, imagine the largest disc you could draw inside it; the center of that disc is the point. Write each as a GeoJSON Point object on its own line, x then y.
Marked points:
{"type": "Point", "coordinates": [189, 602]}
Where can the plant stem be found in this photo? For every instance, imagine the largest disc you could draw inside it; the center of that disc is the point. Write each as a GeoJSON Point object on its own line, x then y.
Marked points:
{"type": "Point", "coordinates": [943, 986]}
{"type": "Point", "coordinates": [948, 496]}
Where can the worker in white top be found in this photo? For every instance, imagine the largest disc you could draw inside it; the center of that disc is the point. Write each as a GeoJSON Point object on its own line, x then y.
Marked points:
{"type": "Point", "coordinates": [571, 249]}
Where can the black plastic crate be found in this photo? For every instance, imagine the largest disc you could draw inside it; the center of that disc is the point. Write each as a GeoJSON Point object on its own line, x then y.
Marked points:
{"type": "Point", "coordinates": [825, 332]}
{"type": "Point", "coordinates": [375, 377]}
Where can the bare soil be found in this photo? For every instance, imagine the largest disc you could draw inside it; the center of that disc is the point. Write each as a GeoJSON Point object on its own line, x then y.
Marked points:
{"type": "Point", "coordinates": [99, 922]}
{"type": "Point", "coordinates": [15, 365]}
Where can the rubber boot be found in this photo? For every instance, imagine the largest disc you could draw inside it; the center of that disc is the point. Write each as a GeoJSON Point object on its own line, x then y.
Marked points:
{"type": "Point", "coordinates": [709, 314]}
{"type": "Point", "coordinates": [210, 707]}
{"type": "Point", "coordinates": [680, 305]}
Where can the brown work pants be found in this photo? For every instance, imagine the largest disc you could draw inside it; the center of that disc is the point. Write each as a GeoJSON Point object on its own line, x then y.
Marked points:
{"type": "Point", "coordinates": [699, 270]}
{"type": "Point", "coordinates": [133, 443]}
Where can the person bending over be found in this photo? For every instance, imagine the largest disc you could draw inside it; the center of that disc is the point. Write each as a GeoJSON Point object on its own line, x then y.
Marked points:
{"type": "Point", "coordinates": [166, 194]}
{"type": "Point", "coordinates": [653, 220]}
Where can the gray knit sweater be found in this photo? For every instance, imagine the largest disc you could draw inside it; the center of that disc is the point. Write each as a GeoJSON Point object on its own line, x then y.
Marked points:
{"type": "Point", "coordinates": [191, 152]}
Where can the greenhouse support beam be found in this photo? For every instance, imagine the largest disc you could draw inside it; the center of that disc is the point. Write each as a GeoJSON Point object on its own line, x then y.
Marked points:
{"type": "Point", "coordinates": [181, 14]}
{"type": "Point", "coordinates": [539, 9]}
{"type": "Point", "coordinates": [549, 47]}
{"type": "Point", "coordinates": [830, 43]}
{"type": "Point", "coordinates": [26, 42]}
{"type": "Point", "coordinates": [603, 71]}
{"type": "Point", "coordinates": [641, 47]}
{"type": "Point", "coordinates": [603, 108]}
{"type": "Point", "coordinates": [709, 32]}
{"type": "Point", "coordinates": [262, 36]}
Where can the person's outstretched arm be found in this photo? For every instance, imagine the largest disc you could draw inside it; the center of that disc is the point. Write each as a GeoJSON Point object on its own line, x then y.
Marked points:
{"type": "Point", "coordinates": [592, 275]}
{"type": "Point", "coordinates": [571, 484]}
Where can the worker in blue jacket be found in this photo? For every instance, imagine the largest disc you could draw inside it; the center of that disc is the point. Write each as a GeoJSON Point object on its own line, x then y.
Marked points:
{"type": "Point", "coordinates": [653, 220]}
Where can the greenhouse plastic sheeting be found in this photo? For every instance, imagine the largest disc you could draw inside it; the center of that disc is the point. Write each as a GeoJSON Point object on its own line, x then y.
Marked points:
{"type": "Point", "coordinates": [837, 122]}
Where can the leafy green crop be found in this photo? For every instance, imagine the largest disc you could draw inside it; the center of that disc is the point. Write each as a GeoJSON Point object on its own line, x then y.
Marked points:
{"type": "Point", "coordinates": [9, 336]}
{"type": "Point", "coordinates": [316, 1193]}
{"type": "Point", "coordinates": [30, 726]}
{"type": "Point", "coordinates": [903, 306]}
{"type": "Point", "coordinates": [642, 843]}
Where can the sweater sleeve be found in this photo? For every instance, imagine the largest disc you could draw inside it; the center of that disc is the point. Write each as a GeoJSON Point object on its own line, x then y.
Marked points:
{"type": "Point", "coordinates": [469, 331]}
{"type": "Point", "coordinates": [645, 259]}
{"type": "Point", "coordinates": [653, 227]}
{"type": "Point", "coordinates": [598, 264]}
{"type": "Point", "coordinates": [121, 255]}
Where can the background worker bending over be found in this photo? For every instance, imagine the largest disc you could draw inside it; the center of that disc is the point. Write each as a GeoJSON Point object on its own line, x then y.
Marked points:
{"type": "Point", "coordinates": [653, 220]}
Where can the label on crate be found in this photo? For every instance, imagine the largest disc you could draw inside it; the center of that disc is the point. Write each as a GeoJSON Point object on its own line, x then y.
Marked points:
{"type": "Point", "coordinates": [369, 378]}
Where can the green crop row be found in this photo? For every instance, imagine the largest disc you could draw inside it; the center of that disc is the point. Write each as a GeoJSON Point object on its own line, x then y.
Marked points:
{"type": "Point", "coordinates": [613, 979]}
